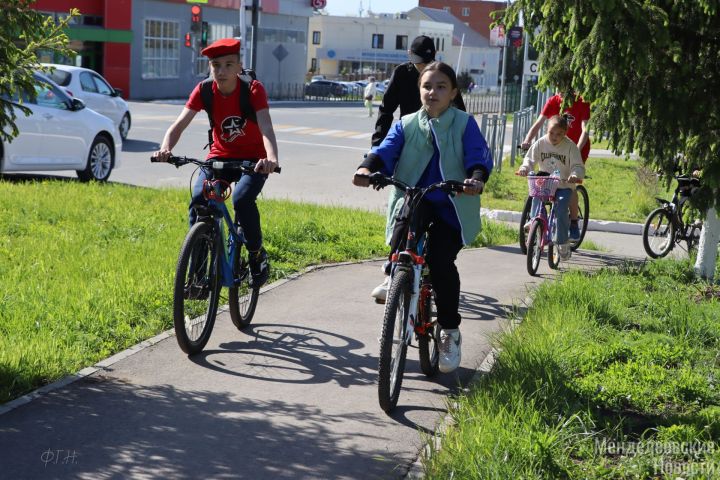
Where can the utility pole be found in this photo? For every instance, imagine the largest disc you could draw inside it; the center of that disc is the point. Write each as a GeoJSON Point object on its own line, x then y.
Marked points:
{"type": "Point", "coordinates": [255, 20]}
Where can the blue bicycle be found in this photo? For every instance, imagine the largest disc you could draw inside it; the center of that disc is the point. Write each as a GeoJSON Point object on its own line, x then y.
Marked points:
{"type": "Point", "coordinates": [212, 257]}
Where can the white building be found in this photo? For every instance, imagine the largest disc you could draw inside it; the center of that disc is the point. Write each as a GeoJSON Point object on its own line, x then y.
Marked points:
{"type": "Point", "coordinates": [360, 46]}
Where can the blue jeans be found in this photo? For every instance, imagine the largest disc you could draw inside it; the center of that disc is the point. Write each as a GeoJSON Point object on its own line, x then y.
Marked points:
{"type": "Point", "coordinates": [562, 214]}
{"type": "Point", "coordinates": [247, 188]}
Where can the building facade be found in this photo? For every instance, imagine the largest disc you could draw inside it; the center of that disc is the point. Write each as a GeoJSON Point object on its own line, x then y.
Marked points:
{"type": "Point", "coordinates": [356, 47]}
{"type": "Point", "coordinates": [150, 49]}
{"type": "Point", "coordinates": [476, 14]}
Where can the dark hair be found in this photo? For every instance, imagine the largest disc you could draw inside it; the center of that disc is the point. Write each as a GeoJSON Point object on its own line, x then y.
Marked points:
{"type": "Point", "coordinates": [442, 68]}
{"type": "Point", "coordinates": [559, 120]}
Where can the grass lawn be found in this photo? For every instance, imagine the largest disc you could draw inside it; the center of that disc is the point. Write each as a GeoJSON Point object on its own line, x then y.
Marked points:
{"type": "Point", "coordinates": [619, 189]}
{"type": "Point", "coordinates": [612, 374]}
{"type": "Point", "coordinates": [86, 270]}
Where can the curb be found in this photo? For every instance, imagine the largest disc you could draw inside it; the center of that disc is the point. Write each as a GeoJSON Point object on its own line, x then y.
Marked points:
{"type": "Point", "coordinates": [594, 225]}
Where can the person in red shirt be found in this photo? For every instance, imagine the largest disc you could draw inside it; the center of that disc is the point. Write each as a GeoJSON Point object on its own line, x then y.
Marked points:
{"type": "Point", "coordinates": [578, 116]}
{"type": "Point", "coordinates": [235, 136]}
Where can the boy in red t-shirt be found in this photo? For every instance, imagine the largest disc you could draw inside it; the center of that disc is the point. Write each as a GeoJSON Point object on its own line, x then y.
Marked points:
{"type": "Point", "coordinates": [579, 114]}
{"type": "Point", "coordinates": [235, 136]}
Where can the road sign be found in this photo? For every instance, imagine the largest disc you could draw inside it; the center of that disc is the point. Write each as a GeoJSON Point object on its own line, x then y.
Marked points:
{"type": "Point", "coordinates": [280, 53]}
{"type": "Point", "coordinates": [531, 68]}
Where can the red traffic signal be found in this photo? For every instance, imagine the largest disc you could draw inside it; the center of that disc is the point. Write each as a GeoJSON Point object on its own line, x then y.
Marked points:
{"type": "Point", "coordinates": [195, 18]}
{"type": "Point", "coordinates": [188, 40]}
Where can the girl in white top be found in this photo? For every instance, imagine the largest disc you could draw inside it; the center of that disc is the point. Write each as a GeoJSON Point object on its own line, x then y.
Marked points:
{"type": "Point", "coordinates": [556, 153]}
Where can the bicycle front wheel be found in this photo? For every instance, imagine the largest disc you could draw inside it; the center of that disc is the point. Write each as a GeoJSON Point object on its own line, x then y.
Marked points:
{"type": "Point", "coordinates": [534, 247]}
{"type": "Point", "coordinates": [428, 343]}
{"type": "Point", "coordinates": [658, 233]}
{"type": "Point", "coordinates": [524, 217]}
{"type": "Point", "coordinates": [242, 298]}
{"type": "Point", "coordinates": [583, 215]}
{"type": "Point", "coordinates": [393, 348]}
{"type": "Point", "coordinates": [197, 288]}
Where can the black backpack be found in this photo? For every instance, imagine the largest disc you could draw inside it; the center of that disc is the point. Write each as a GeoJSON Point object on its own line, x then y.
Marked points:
{"type": "Point", "coordinates": [206, 95]}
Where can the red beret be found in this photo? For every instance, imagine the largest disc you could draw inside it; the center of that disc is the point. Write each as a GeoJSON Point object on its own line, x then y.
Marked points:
{"type": "Point", "coordinates": [225, 46]}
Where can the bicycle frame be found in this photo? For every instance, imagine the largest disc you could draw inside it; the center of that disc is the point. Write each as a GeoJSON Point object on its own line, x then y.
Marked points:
{"type": "Point", "coordinates": [228, 244]}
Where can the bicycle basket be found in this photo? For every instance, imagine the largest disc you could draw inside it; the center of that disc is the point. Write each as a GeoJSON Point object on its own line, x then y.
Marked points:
{"type": "Point", "coordinates": [542, 186]}
{"type": "Point", "coordinates": [218, 190]}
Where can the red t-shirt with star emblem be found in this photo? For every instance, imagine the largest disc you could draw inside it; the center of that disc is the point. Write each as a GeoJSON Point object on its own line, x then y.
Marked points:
{"type": "Point", "coordinates": [579, 111]}
{"type": "Point", "coordinates": [233, 135]}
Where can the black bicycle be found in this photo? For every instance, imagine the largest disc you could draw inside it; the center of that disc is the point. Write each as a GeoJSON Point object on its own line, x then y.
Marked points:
{"type": "Point", "coordinates": [669, 224]}
{"type": "Point", "coordinates": [410, 303]}
{"type": "Point", "coordinates": [212, 257]}
{"type": "Point", "coordinates": [583, 217]}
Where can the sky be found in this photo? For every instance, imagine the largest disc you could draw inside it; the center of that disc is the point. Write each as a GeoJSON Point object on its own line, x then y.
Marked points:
{"type": "Point", "coordinates": [351, 7]}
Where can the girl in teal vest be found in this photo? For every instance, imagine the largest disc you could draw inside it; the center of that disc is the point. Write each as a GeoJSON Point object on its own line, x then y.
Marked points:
{"type": "Point", "coordinates": [438, 142]}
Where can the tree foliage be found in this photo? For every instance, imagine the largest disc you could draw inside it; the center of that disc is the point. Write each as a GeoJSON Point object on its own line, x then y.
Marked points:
{"type": "Point", "coordinates": [650, 68]}
{"type": "Point", "coordinates": [24, 32]}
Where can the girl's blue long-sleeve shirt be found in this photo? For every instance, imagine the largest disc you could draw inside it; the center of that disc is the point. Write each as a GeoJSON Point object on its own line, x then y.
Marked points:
{"type": "Point", "coordinates": [476, 156]}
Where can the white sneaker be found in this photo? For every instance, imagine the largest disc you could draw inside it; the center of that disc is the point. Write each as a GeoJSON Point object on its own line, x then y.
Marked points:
{"type": "Point", "coordinates": [564, 251]}
{"type": "Point", "coordinates": [380, 292]}
{"type": "Point", "coordinates": [450, 342]}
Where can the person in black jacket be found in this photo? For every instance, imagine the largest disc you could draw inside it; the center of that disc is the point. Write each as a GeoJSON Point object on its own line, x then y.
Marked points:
{"type": "Point", "coordinates": [403, 89]}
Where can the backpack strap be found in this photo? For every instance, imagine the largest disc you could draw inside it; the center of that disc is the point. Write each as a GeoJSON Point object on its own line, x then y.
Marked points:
{"type": "Point", "coordinates": [245, 105]}
{"type": "Point", "coordinates": [206, 95]}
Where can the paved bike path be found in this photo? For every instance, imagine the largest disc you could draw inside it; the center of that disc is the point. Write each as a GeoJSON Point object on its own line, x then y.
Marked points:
{"type": "Point", "coordinates": [293, 397]}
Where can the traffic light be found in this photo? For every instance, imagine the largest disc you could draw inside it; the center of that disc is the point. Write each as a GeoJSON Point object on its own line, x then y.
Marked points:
{"type": "Point", "coordinates": [188, 40]}
{"type": "Point", "coordinates": [195, 18]}
{"type": "Point", "coordinates": [204, 34]}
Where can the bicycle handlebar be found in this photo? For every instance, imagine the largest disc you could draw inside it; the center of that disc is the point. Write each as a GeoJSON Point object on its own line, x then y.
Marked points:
{"type": "Point", "coordinates": [245, 166]}
{"type": "Point", "coordinates": [378, 181]}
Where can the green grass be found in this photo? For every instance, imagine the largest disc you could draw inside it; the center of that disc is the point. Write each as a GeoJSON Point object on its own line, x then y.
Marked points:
{"type": "Point", "coordinates": [86, 270]}
{"type": "Point", "coordinates": [614, 359]}
{"type": "Point", "coordinates": [619, 190]}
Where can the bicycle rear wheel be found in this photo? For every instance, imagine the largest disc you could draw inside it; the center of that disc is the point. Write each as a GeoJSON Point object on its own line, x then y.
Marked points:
{"type": "Point", "coordinates": [534, 247]}
{"type": "Point", "coordinates": [583, 215]}
{"type": "Point", "coordinates": [242, 298]}
{"type": "Point", "coordinates": [428, 343]}
{"type": "Point", "coordinates": [524, 217]}
{"type": "Point", "coordinates": [197, 288]}
{"type": "Point", "coordinates": [393, 348]}
{"type": "Point", "coordinates": [658, 233]}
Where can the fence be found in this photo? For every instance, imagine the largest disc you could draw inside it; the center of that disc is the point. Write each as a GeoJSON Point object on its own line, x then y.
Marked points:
{"type": "Point", "coordinates": [493, 129]}
{"type": "Point", "coordinates": [522, 121]}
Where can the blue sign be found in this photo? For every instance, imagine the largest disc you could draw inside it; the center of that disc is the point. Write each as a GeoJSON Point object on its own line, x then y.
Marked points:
{"type": "Point", "coordinates": [331, 53]}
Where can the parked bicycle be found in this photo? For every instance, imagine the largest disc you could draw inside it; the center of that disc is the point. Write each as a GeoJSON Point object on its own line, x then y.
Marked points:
{"type": "Point", "coordinates": [543, 224]}
{"type": "Point", "coordinates": [410, 304]}
{"type": "Point", "coordinates": [212, 257]}
{"type": "Point", "coordinates": [667, 226]}
{"type": "Point", "coordinates": [583, 216]}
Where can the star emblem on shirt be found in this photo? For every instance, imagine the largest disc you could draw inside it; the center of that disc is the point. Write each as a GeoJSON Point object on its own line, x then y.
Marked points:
{"type": "Point", "coordinates": [232, 128]}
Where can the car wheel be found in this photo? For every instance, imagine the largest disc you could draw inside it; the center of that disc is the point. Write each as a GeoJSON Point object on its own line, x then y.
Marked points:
{"type": "Point", "coordinates": [100, 161]}
{"type": "Point", "coordinates": [124, 126]}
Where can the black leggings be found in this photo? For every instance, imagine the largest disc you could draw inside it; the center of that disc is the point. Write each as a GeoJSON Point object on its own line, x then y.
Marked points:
{"type": "Point", "coordinates": [443, 246]}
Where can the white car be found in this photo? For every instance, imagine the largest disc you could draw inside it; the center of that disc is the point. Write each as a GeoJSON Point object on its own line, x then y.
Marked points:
{"type": "Point", "coordinates": [60, 134]}
{"type": "Point", "coordinates": [90, 87]}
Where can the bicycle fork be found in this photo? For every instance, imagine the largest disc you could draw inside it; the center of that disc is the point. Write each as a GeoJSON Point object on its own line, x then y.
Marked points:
{"type": "Point", "coordinates": [408, 260]}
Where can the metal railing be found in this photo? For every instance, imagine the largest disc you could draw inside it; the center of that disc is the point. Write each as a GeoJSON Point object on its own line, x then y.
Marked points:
{"type": "Point", "coordinates": [522, 121]}
{"type": "Point", "coordinates": [493, 129]}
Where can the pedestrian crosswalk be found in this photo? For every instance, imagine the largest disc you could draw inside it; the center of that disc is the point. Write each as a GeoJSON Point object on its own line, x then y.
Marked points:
{"type": "Point", "coordinates": [322, 132]}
